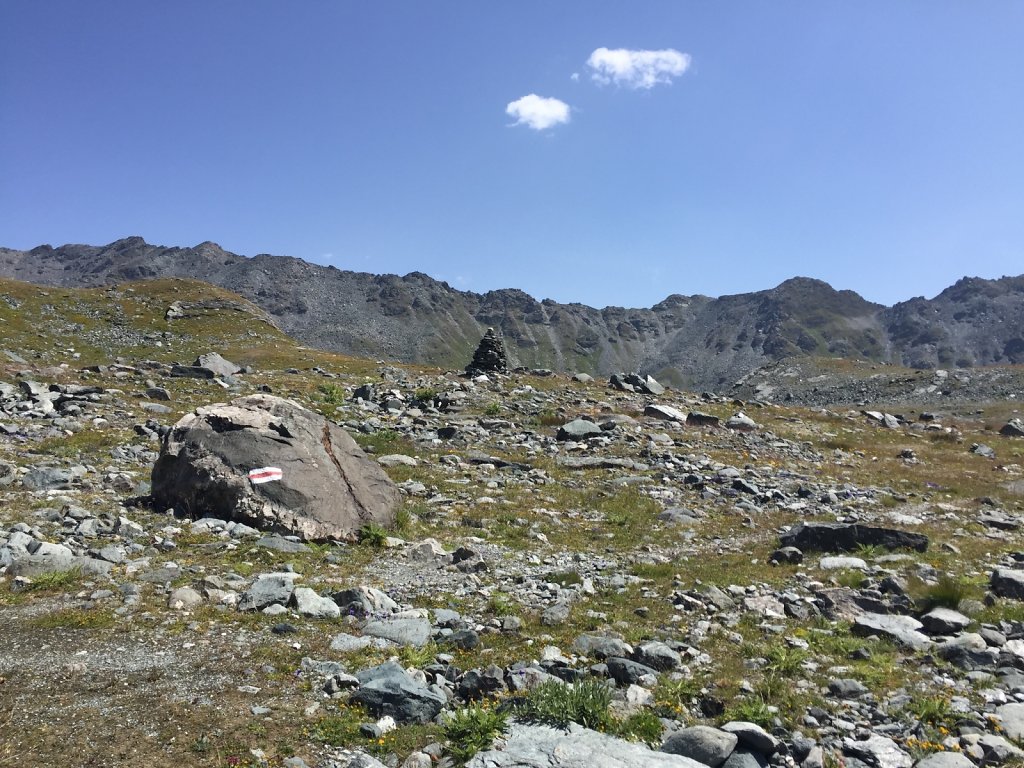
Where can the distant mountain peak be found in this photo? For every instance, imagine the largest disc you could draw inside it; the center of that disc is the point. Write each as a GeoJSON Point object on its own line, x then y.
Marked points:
{"type": "Point", "coordinates": [696, 341]}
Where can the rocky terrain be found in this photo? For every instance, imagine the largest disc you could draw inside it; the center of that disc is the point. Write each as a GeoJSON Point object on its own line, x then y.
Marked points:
{"type": "Point", "coordinates": [695, 342]}
{"type": "Point", "coordinates": [580, 571]}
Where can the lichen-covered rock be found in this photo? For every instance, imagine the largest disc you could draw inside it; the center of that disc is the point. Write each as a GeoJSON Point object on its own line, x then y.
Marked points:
{"type": "Point", "coordinates": [325, 486]}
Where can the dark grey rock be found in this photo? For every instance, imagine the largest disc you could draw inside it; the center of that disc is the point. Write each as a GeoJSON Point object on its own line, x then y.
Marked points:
{"type": "Point", "coordinates": [626, 672]}
{"type": "Point", "coordinates": [580, 429]}
{"type": "Point", "coordinates": [743, 757]}
{"type": "Point", "coordinates": [601, 646]}
{"type": "Point", "coordinates": [388, 690]}
{"type": "Point", "coordinates": [477, 684]}
{"type": "Point", "coordinates": [365, 601]}
{"type": "Point", "coordinates": [47, 479]}
{"type": "Point", "coordinates": [752, 736]}
{"type": "Point", "coordinates": [944, 621]}
{"type": "Point", "coordinates": [787, 555]}
{"type": "Point", "coordinates": [1013, 428]}
{"type": "Point", "coordinates": [464, 639]}
{"type": "Point", "coordinates": [268, 589]}
{"type": "Point", "coordinates": [702, 743]}
{"type": "Point", "coordinates": [847, 688]}
{"type": "Point", "coordinates": [1007, 582]}
{"type": "Point", "coordinates": [658, 656]}
{"type": "Point", "coordinates": [698, 419]}
{"type": "Point", "coordinates": [847, 537]}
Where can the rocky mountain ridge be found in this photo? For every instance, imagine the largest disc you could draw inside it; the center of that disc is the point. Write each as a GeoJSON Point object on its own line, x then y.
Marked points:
{"type": "Point", "coordinates": [694, 341]}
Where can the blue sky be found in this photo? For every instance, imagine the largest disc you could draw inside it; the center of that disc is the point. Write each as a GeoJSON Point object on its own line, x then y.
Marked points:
{"type": "Point", "coordinates": [878, 146]}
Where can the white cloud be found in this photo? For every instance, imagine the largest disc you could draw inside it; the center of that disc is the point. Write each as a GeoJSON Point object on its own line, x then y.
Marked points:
{"type": "Point", "coordinates": [575, 76]}
{"type": "Point", "coordinates": [538, 112]}
{"type": "Point", "coordinates": [637, 69]}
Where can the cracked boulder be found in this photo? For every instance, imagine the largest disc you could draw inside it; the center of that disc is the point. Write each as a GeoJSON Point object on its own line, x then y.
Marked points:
{"type": "Point", "coordinates": [272, 464]}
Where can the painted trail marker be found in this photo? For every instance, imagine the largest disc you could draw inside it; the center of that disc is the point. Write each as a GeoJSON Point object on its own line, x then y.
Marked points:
{"type": "Point", "coordinates": [264, 475]}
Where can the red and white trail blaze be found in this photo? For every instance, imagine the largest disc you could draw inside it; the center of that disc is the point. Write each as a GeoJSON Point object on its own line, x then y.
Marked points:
{"type": "Point", "coordinates": [264, 475]}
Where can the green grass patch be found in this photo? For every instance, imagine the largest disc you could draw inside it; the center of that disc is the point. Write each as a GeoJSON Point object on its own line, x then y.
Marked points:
{"type": "Point", "coordinates": [74, 618]}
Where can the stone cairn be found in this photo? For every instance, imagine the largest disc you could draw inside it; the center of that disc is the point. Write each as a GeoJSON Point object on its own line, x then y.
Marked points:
{"type": "Point", "coordinates": [489, 356]}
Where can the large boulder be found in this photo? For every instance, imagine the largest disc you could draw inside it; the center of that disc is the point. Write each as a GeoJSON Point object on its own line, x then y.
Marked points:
{"type": "Point", "coordinates": [847, 537]}
{"type": "Point", "coordinates": [531, 746]}
{"type": "Point", "coordinates": [317, 484]}
{"type": "Point", "coordinates": [388, 690]}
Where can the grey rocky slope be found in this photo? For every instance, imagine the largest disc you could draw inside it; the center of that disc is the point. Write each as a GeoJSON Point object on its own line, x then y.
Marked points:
{"type": "Point", "coordinates": [779, 570]}
{"type": "Point", "coordinates": [696, 341]}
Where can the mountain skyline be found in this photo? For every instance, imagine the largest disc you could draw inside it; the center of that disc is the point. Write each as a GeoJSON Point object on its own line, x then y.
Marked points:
{"type": "Point", "coordinates": [694, 341]}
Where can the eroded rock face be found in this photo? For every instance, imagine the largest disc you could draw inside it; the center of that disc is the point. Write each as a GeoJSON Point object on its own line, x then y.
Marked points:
{"type": "Point", "coordinates": [327, 489]}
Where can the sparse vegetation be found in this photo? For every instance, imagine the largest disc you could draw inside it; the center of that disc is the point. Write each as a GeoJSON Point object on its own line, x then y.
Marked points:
{"type": "Point", "coordinates": [545, 531]}
{"type": "Point", "coordinates": [373, 535]}
{"type": "Point", "coordinates": [554, 703]}
{"type": "Point", "coordinates": [473, 729]}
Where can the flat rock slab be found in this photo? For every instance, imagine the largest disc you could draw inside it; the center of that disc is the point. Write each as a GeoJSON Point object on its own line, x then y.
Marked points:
{"type": "Point", "coordinates": [878, 750]}
{"type": "Point", "coordinates": [31, 566]}
{"type": "Point", "coordinates": [944, 760]}
{"type": "Point", "coordinates": [538, 746]}
{"type": "Point", "coordinates": [1011, 717]}
{"type": "Point", "coordinates": [847, 537]}
{"type": "Point", "coordinates": [270, 463]}
{"type": "Point", "coordinates": [666, 412]}
{"type": "Point", "coordinates": [580, 429]}
{"type": "Point", "coordinates": [414, 632]}
{"type": "Point", "coordinates": [903, 630]}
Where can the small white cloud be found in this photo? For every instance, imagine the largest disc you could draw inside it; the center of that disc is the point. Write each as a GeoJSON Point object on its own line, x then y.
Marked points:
{"type": "Point", "coordinates": [575, 76]}
{"type": "Point", "coordinates": [538, 112]}
{"type": "Point", "coordinates": [637, 69]}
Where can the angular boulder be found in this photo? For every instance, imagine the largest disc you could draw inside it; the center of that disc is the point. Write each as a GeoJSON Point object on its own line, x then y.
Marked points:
{"type": "Point", "coordinates": [1008, 582]}
{"type": "Point", "coordinates": [1013, 428]}
{"type": "Point", "coordinates": [326, 488]}
{"type": "Point", "coordinates": [847, 537]}
{"type": "Point", "coordinates": [388, 690]}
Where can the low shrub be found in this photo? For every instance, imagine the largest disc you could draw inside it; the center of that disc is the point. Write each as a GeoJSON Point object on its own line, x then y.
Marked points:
{"type": "Point", "coordinates": [473, 730]}
{"type": "Point", "coordinates": [558, 704]}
